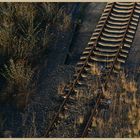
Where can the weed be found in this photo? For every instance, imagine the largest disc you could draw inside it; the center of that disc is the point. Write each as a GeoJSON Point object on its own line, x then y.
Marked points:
{"type": "Point", "coordinates": [123, 114]}
{"type": "Point", "coordinates": [19, 77]}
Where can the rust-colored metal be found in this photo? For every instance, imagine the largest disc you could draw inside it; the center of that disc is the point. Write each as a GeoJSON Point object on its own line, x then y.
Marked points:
{"type": "Point", "coordinates": [94, 112]}
{"type": "Point", "coordinates": [74, 83]}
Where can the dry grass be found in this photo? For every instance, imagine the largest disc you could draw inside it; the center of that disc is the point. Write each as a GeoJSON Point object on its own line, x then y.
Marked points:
{"type": "Point", "coordinates": [60, 89]}
{"type": "Point", "coordinates": [18, 73]}
{"type": "Point", "coordinates": [25, 33]}
{"type": "Point", "coordinates": [11, 44]}
{"type": "Point", "coordinates": [75, 112]}
{"type": "Point", "coordinates": [6, 29]}
{"type": "Point", "coordinates": [66, 22]}
{"type": "Point", "coordinates": [15, 51]}
{"type": "Point", "coordinates": [122, 117]}
{"type": "Point", "coordinates": [32, 129]}
{"type": "Point", "coordinates": [56, 16]}
{"type": "Point", "coordinates": [19, 80]}
{"type": "Point", "coordinates": [129, 86]}
{"type": "Point", "coordinates": [29, 11]}
{"type": "Point", "coordinates": [96, 70]}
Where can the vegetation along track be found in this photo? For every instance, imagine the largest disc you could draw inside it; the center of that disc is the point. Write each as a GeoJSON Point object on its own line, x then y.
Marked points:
{"type": "Point", "coordinates": [109, 47]}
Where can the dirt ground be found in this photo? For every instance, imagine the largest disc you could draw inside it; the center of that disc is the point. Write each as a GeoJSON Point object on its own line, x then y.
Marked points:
{"type": "Point", "coordinates": [57, 71]}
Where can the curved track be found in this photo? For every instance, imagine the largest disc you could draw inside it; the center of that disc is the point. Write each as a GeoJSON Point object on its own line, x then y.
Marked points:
{"type": "Point", "coordinates": [109, 46]}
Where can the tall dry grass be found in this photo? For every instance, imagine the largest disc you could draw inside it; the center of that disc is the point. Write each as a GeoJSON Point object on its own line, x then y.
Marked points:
{"type": "Point", "coordinates": [19, 77]}
{"type": "Point", "coordinates": [25, 34]}
{"type": "Point", "coordinates": [122, 117]}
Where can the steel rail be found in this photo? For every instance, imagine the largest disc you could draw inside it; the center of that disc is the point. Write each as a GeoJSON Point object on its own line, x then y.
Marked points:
{"type": "Point", "coordinates": [75, 81]}
{"type": "Point", "coordinates": [85, 131]}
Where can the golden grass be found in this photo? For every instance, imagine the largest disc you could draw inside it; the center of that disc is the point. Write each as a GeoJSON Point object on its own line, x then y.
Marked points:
{"type": "Point", "coordinates": [80, 119]}
{"type": "Point", "coordinates": [56, 16]}
{"type": "Point", "coordinates": [23, 41]}
{"type": "Point", "coordinates": [27, 11]}
{"type": "Point", "coordinates": [18, 73]}
{"type": "Point", "coordinates": [121, 119]}
{"type": "Point", "coordinates": [19, 80]}
{"type": "Point", "coordinates": [123, 113]}
{"type": "Point", "coordinates": [96, 70]}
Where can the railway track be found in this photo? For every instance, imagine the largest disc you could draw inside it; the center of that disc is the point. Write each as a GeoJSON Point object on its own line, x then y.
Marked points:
{"type": "Point", "coordinates": [109, 46]}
